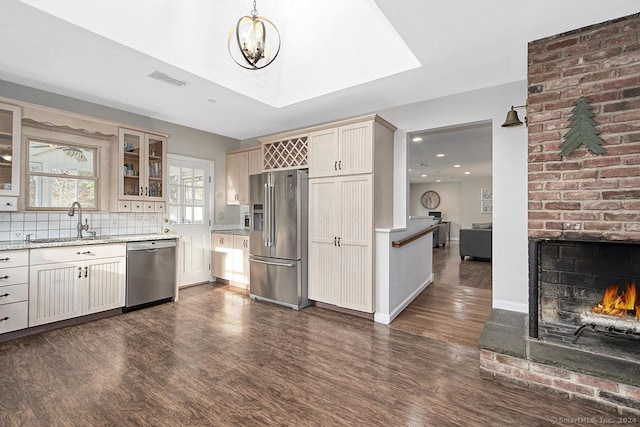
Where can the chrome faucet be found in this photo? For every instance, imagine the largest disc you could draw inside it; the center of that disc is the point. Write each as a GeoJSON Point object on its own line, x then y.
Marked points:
{"type": "Point", "coordinates": [80, 226]}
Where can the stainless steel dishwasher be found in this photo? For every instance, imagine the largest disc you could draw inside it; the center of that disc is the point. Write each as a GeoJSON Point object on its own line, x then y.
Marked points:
{"type": "Point", "coordinates": [151, 272]}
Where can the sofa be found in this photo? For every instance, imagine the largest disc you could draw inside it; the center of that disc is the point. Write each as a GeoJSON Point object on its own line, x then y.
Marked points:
{"type": "Point", "coordinates": [476, 241]}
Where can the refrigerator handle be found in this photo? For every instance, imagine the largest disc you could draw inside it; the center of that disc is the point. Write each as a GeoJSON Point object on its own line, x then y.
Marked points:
{"type": "Point", "coordinates": [277, 264]}
{"type": "Point", "coordinates": [266, 233]}
{"type": "Point", "coordinates": [272, 215]}
{"type": "Point", "coordinates": [269, 215]}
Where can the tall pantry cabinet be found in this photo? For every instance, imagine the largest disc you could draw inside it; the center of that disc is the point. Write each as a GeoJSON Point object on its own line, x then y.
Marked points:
{"type": "Point", "coordinates": [350, 194]}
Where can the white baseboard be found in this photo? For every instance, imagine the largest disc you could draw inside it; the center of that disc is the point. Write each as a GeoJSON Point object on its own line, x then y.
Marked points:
{"type": "Point", "coordinates": [511, 306]}
{"type": "Point", "coordinates": [388, 318]}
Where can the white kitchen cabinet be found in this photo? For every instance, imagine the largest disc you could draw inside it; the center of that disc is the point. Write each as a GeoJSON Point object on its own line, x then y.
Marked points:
{"type": "Point", "coordinates": [139, 170]}
{"type": "Point", "coordinates": [230, 258]}
{"type": "Point", "coordinates": [238, 178]}
{"type": "Point", "coordinates": [241, 259]}
{"type": "Point", "coordinates": [350, 193]}
{"type": "Point", "coordinates": [72, 281]}
{"type": "Point", "coordinates": [222, 256]}
{"type": "Point", "coordinates": [344, 150]}
{"type": "Point", "coordinates": [10, 145]}
{"type": "Point", "coordinates": [14, 290]}
{"type": "Point", "coordinates": [341, 242]}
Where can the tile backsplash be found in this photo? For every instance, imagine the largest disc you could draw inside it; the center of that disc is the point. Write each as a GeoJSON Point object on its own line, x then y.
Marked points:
{"type": "Point", "coordinates": [43, 225]}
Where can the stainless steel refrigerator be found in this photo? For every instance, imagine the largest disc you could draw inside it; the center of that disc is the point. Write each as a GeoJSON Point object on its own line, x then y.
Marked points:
{"type": "Point", "coordinates": [278, 203]}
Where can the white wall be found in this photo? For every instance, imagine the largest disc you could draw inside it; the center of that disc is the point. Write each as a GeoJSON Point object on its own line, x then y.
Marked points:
{"type": "Point", "coordinates": [184, 141]}
{"type": "Point", "coordinates": [401, 273]}
{"type": "Point", "coordinates": [470, 195]}
{"type": "Point", "coordinates": [509, 150]}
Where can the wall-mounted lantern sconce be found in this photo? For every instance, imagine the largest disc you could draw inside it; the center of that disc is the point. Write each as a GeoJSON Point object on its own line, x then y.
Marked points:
{"type": "Point", "coordinates": [512, 117]}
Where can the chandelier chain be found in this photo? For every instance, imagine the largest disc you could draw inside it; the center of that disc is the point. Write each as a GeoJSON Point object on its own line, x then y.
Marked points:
{"type": "Point", "coordinates": [254, 11]}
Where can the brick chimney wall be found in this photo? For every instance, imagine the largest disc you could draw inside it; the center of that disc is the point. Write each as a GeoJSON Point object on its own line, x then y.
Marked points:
{"type": "Point", "coordinates": [586, 196]}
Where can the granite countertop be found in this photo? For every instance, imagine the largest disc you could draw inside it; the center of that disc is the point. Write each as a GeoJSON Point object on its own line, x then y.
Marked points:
{"type": "Point", "coordinates": [234, 232]}
{"type": "Point", "coordinates": [72, 241]}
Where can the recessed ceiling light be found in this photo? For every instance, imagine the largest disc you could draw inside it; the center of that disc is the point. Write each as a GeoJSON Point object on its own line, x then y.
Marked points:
{"type": "Point", "coordinates": [467, 173]}
{"type": "Point", "coordinates": [438, 180]}
{"type": "Point", "coordinates": [211, 101]}
{"type": "Point", "coordinates": [417, 139]}
{"type": "Point", "coordinates": [456, 166]}
{"type": "Point", "coordinates": [423, 175]}
{"type": "Point", "coordinates": [409, 170]}
{"type": "Point", "coordinates": [439, 155]}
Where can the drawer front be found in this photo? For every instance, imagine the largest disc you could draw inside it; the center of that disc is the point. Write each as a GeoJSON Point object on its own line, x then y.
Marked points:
{"type": "Point", "coordinates": [149, 207]}
{"type": "Point", "coordinates": [17, 258]}
{"type": "Point", "coordinates": [13, 276]}
{"type": "Point", "coordinates": [160, 206]}
{"type": "Point", "coordinates": [77, 253]}
{"type": "Point", "coordinates": [8, 204]}
{"type": "Point", "coordinates": [136, 206]}
{"type": "Point", "coordinates": [14, 293]}
{"type": "Point", "coordinates": [13, 316]}
{"type": "Point", "coordinates": [124, 205]}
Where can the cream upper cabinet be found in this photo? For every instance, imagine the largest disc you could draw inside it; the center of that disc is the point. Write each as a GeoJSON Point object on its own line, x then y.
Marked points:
{"type": "Point", "coordinates": [255, 161]}
{"type": "Point", "coordinates": [238, 178]}
{"type": "Point", "coordinates": [341, 242]}
{"type": "Point", "coordinates": [140, 169]}
{"type": "Point", "coordinates": [343, 150]}
{"type": "Point", "coordinates": [10, 134]}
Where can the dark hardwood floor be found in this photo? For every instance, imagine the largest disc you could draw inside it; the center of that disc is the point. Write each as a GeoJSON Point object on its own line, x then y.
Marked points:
{"type": "Point", "coordinates": [217, 358]}
{"type": "Point", "coordinates": [455, 307]}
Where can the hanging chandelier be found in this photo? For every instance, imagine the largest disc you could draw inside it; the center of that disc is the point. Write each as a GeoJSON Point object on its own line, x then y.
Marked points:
{"type": "Point", "coordinates": [256, 38]}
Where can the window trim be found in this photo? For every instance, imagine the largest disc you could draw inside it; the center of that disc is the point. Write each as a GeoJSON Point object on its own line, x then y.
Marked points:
{"type": "Point", "coordinates": [60, 137]}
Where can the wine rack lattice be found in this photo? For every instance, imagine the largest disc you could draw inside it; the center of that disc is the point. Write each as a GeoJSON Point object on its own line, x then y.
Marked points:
{"type": "Point", "coordinates": [287, 154]}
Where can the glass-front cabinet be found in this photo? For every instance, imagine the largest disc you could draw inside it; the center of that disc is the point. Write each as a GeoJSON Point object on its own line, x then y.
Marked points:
{"type": "Point", "coordinates": [141, 171]}
{"type": "Point", "coordinates": [10, 127]}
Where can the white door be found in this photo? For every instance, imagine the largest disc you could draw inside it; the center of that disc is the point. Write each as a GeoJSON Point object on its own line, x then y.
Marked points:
{"type": "Point", "coordinates": [189, 213]}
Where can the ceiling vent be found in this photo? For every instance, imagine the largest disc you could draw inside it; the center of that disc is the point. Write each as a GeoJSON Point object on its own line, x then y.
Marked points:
{"type": "Point", "coordinates": [158, 75]}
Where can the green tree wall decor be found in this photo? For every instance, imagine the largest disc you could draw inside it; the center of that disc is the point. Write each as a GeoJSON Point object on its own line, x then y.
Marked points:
{"type": "Point", "coordinates": [583, 130]}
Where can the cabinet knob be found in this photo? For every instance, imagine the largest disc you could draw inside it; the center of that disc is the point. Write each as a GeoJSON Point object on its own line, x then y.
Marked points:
{"type": "Point", "coordinates": [83, 253]}
{"type": "Point", "coordinates": [4, 295]}
{"type": "Point", "coordinates": [4, 318]}
{"type": "Point", "coordinates": [9, 204]}
{"type": "Point", "coordinates": [4, 277]}
{"type": "Point", "coordinates": [166, 230]}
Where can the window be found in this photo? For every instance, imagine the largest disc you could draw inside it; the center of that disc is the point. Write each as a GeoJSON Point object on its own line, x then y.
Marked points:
{"type": "Point", "coordinates": [60, 173]}
{"type": "Point", "coordinates": [64, 165]}
{"type": "Point", "coordinates": [186, 193]}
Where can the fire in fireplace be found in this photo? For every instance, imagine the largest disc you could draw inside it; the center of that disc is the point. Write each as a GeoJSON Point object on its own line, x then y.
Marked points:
{"type": "Point", "coordinates": [619, 304]}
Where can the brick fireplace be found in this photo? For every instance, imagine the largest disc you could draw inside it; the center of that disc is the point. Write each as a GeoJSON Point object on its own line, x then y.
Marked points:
{"type": "Point", "coordinates": [583, 220]}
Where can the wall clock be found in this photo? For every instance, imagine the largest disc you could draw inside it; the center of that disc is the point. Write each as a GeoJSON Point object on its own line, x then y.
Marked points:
{"type": "Point", "coordinates": [430, 200]}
